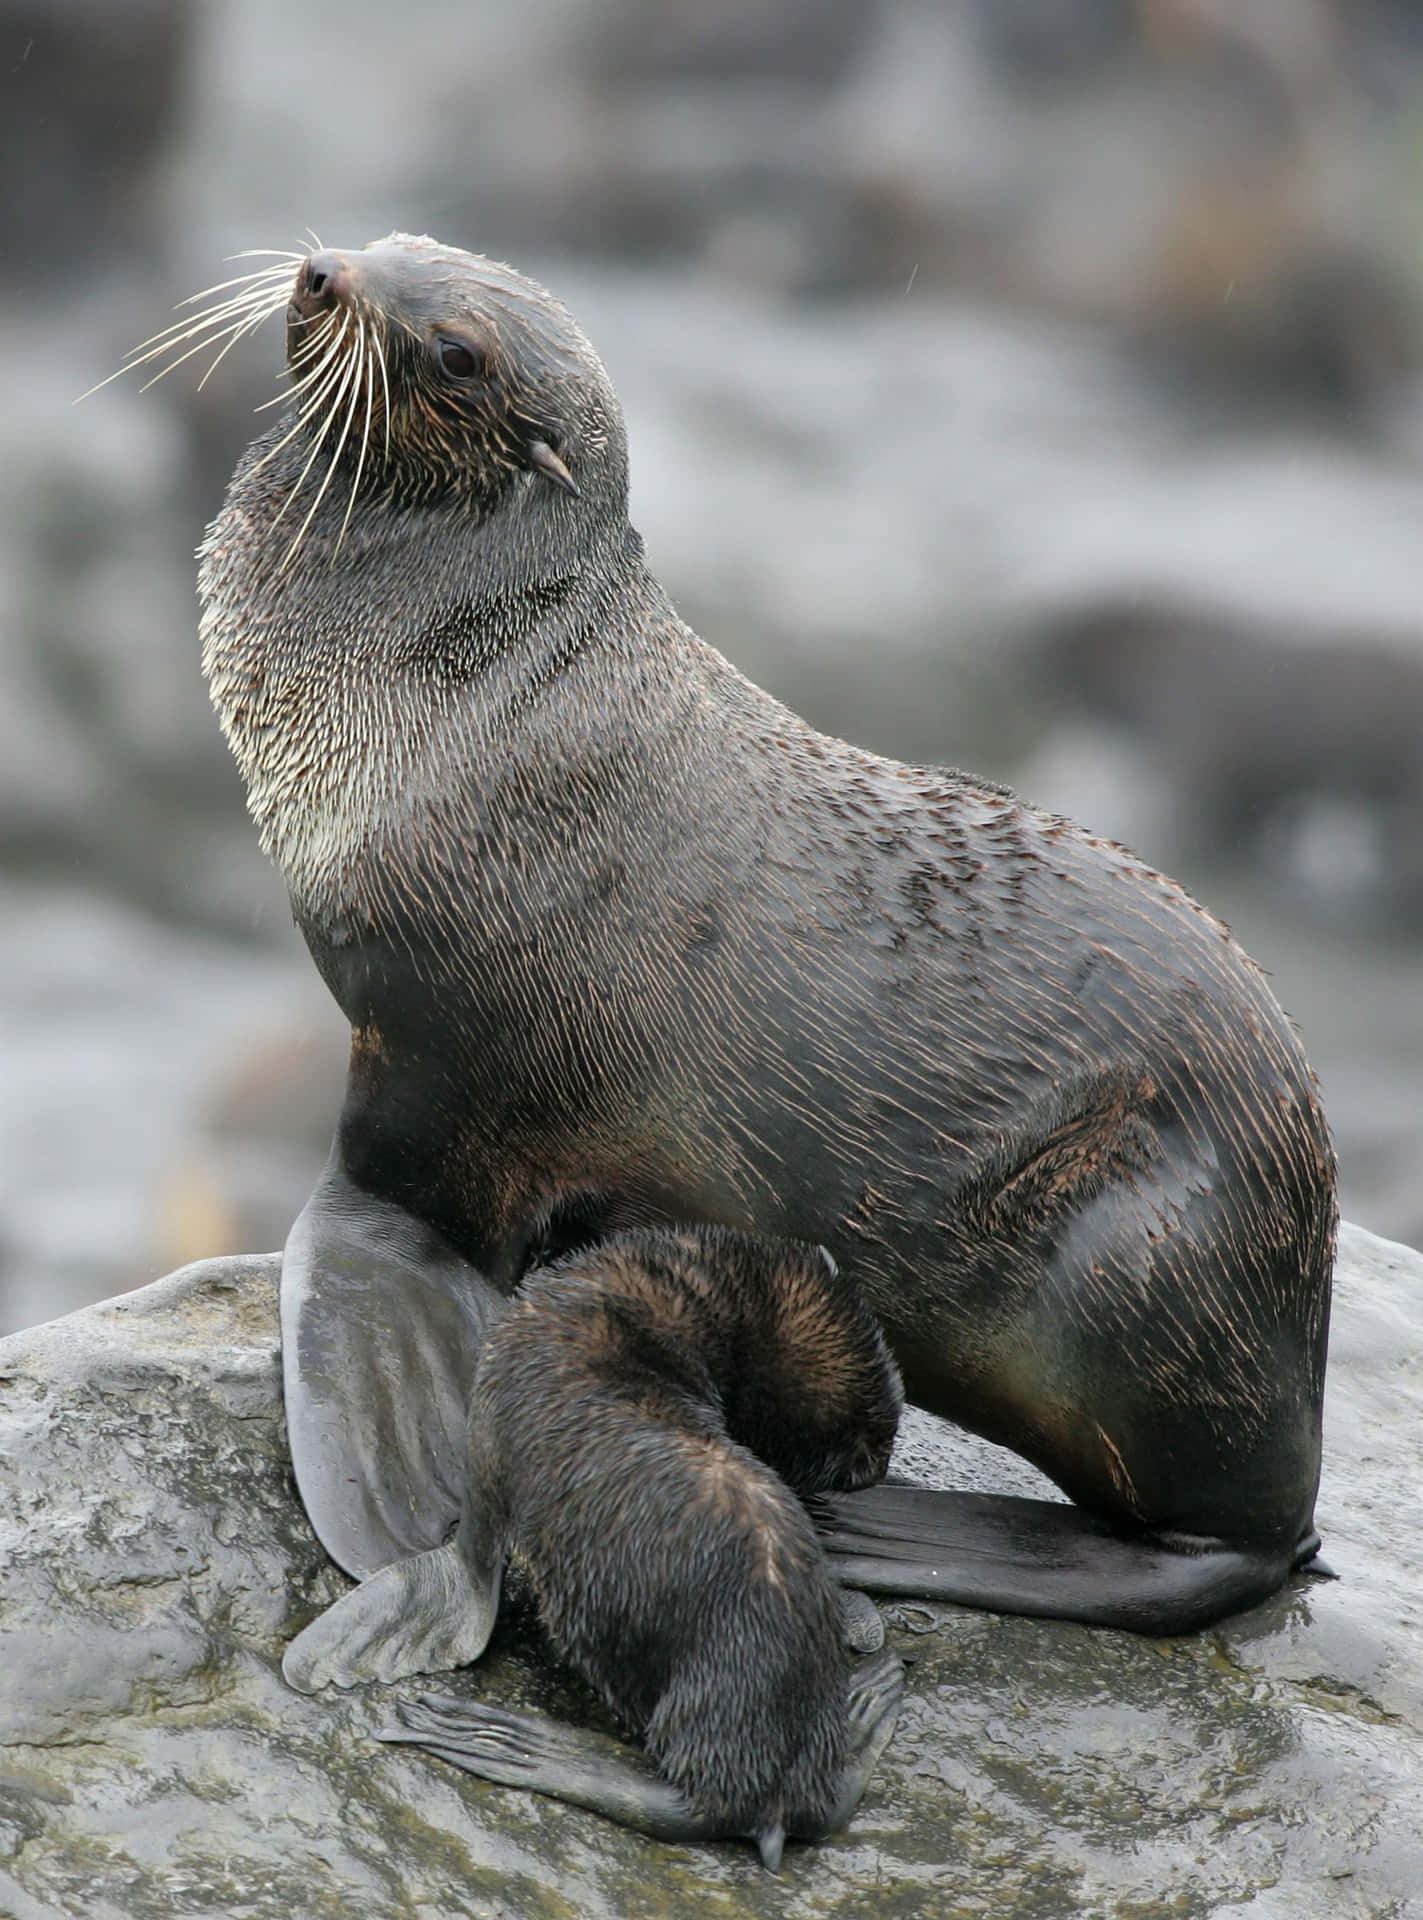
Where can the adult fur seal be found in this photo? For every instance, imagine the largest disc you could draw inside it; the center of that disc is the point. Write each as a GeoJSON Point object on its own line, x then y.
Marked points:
{"type": "Point", "coordinates": [638, 1423]}
{"type": "Point", "coordinates": [622, 941]}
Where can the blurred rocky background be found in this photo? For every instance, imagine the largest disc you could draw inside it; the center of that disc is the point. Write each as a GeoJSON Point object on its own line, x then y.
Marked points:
{"type": "Point", "coordinates": [1032, 385]}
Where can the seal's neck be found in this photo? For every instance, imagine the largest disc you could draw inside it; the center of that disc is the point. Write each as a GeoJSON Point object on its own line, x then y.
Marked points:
{"type": "Point", "coordinates": [350, 682]}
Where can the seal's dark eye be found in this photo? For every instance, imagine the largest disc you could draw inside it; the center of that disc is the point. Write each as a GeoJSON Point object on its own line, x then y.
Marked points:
{"type": "Point", "coordinates": [458, 360]}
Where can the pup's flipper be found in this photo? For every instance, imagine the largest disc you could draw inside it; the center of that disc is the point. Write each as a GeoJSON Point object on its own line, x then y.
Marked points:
{"type": "Point", "coordinates": [575, 1764]}
{"type": "Point", "coordinates": [875, 1695]}
{"type": "Point", "coordinates": [861, 1622]}
{"type": "Point", "coordinates": [587, 1769]}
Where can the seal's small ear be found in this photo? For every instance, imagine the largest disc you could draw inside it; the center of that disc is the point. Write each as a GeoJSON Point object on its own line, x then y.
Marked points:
{"type": "Point", "coordinates": [543, 458]}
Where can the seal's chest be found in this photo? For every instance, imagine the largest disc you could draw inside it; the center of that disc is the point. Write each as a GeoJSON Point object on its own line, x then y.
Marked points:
{"type": "Point", "coordinates": [327, 750]}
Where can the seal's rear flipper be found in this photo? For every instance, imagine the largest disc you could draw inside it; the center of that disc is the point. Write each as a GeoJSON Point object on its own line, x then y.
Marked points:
{"type": "Point", "coordinates": [382, 1322]}
{"type": "Point", "coordinates": [1010, 1555]}
{"type": "Point", "coordinates": [423, 1615]}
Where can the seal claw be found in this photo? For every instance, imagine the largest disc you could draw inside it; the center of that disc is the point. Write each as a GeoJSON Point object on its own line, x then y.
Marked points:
{"type": "Point", "coordinates": [770, 1843]}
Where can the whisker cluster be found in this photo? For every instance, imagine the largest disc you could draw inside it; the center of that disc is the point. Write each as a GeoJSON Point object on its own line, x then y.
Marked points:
{"type": "Point", "coordinates": [259, 295]}
{"type": "Point", "coordinates": [333, 372]}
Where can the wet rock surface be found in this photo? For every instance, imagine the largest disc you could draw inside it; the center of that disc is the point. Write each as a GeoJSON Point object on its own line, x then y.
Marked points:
{"type": "Point", "coordinates": [152, 1763]}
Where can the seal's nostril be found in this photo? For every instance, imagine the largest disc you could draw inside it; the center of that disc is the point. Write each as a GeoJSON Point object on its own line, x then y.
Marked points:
{"type": "Point", "coordinates": [321, 277]}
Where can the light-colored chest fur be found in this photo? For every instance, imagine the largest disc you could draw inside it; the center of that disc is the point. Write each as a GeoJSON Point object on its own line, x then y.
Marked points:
{"type": "Point", "coordinates": [335, 749]}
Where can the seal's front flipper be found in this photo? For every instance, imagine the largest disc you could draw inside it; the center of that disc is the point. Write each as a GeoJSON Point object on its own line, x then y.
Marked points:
{"type": "Point", "coordinates": [382, 1323]}
{"type": "Point", "coordinates": [1010, 1555]}
{"type": "Point", "coordinates": [575, 1764]}
{"type": "Point", "coordinates": [423, 1615]}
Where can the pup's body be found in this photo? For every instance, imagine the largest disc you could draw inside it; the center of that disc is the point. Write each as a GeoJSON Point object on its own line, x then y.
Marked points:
{"type": "Point", "coordinates": [612, 1431]}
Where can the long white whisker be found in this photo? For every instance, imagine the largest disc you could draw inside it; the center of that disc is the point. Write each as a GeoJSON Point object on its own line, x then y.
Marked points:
{"type": "Point", "coordinates": [348, 399]}
{"type": "Point", "coordinates": [319, 347]}
{"type": "Point", "coordinates": [282, 399]}
{"type": "Point", "coordinates": [209, 326]}
{"type": "Point", "coordinates": [265, 276]}
{"type": "Point", "coordinates": [384, 381]}
{"type": "Point", "coordinates": [239, 323]}
{"type": "Point", "coordinates": [315, 341]}
{"type": "Point", "coordinates": [332, 465]}
{"type": "Point", "coordinates": [312, 405]}
{"type": "Point", "coordinates": [298, 385]}
{"type": "Point", "coordinates": [281, 275]}
{"type": "Point", "coordinates": [268, 296]}
{"type": "Point", "coordinates": [331, 396]}
{"type": "Point", "coordinates": [249, 325]}
{"type": "Point", "coordinates": [291, 434]}
{"type": "Point", "coordinates": [369, 383]}
{"type": "Point", "coordinates": [314, 385]}
{"type": "Point", "coordinates": [252, 297]}
{"type": "Point", "coordinates": [312, 361]}
{"type": "Point", "coordinates": [267, 299]}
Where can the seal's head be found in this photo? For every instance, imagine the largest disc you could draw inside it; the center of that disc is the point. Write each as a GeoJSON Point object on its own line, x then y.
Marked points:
{"type": "Point", "coordinates": [423, 376]}
{"type": "Point", "coordinates": [446, 488]}
{"type": "Point", "coordinates": [446, 376]}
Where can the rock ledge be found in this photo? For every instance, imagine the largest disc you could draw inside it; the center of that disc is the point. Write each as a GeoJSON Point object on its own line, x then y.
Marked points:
{"type": "Point", "coordinates": [152, 1764]}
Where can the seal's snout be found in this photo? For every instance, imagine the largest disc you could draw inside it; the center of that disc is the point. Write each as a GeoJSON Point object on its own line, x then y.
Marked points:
{"type": "Point", "coordinates": [324, 281]}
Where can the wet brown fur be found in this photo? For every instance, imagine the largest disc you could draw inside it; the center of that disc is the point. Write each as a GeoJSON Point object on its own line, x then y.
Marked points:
{"type": "Point", "coordinates": [638, 1423]}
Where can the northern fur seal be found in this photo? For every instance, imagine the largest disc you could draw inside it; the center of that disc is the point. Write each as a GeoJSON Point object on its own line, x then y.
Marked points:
{"type": "Point", "coordinates": [638, 1423]}
{"type": "Point", "coordinates": [623, 941]}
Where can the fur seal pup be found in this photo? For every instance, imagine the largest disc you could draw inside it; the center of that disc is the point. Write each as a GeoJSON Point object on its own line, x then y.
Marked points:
{"type": "Point", "coordinates": [641, 1423]}
{"type": "Point", "coordinates": [623, 941]}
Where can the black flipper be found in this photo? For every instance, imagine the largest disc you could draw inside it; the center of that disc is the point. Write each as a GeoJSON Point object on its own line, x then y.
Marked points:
{"type": "Point", "coordinates": [1010, 1555]}
{"type": "Point", "coordinates": [382, 1322]}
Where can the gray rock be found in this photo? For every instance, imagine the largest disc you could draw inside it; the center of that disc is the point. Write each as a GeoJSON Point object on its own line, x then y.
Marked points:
{"type": "Point", "coordinates": [156, 1560]}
